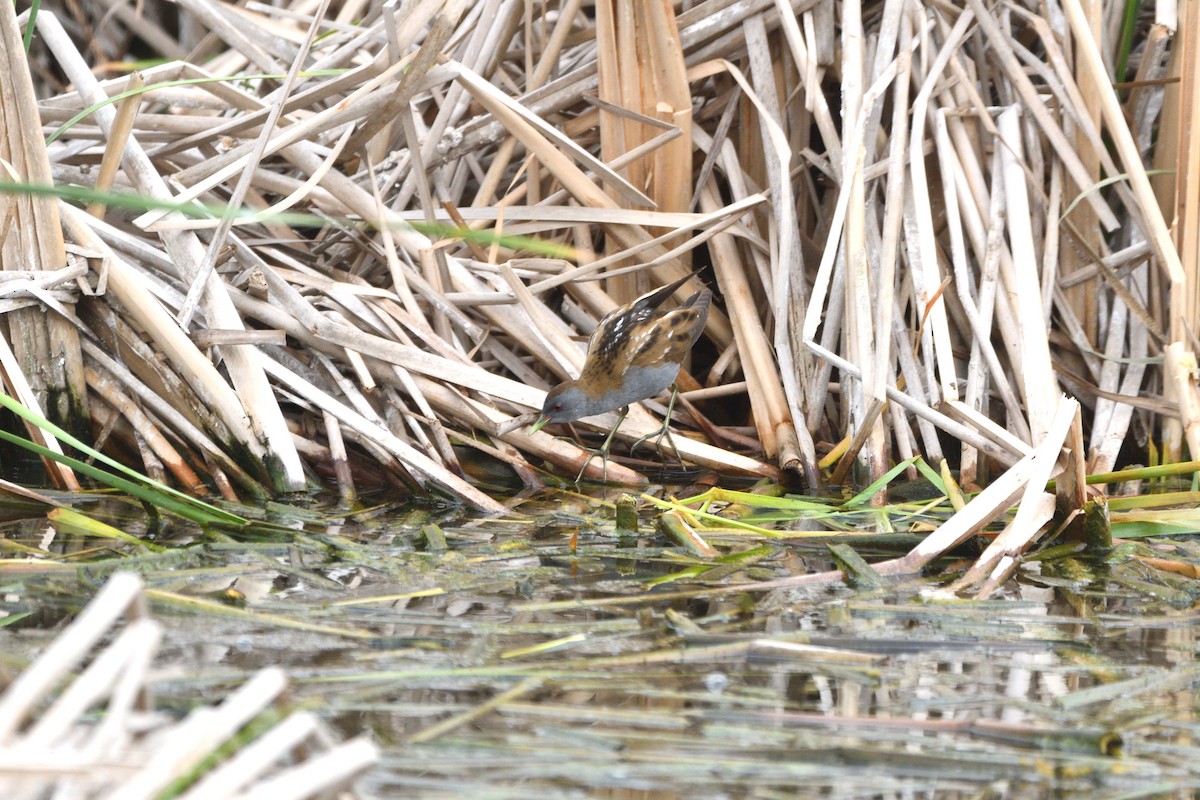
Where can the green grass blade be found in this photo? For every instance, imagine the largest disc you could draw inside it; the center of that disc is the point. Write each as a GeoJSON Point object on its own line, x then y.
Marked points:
{"type": "Point", "coordinates": [83, 195]}
{"type": "Point", "coordinates": [865, 495]}
{"type": "Point", "coordinates": [147, 488]}
{"type": "Point", "coordinates": [187, 508]}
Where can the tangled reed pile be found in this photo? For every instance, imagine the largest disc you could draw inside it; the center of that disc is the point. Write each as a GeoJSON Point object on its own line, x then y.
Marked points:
{"type": "Point", "coordinates": [364, 238]}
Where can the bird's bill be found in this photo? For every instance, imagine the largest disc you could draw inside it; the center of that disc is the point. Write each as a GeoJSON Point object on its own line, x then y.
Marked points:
{"type": "Point", "coordinates": [537, 426]}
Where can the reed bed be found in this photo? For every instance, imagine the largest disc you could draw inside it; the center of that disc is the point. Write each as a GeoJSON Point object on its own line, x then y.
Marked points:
{"type": "Point", "coordinates": [362, 239]}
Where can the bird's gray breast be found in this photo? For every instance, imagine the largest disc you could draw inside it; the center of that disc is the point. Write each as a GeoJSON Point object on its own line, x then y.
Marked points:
{"type": "Point", "coordinates": [642, 383]}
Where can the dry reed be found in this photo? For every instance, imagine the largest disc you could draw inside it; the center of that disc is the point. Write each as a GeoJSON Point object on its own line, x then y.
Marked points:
{"type": "Point", "coordinates": [911, 212]}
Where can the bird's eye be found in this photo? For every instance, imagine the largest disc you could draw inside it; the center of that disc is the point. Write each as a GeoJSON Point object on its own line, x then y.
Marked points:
{"type": "Point", "coordinates": [556, 407]}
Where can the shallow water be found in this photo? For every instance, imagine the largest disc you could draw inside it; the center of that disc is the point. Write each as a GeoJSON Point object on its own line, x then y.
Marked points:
{"type": "Point", "coordinates": [549, 656]}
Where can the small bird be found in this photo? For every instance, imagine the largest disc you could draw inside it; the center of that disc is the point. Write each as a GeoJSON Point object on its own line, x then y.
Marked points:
{"type": "Point", "coordinates": [634, 354]}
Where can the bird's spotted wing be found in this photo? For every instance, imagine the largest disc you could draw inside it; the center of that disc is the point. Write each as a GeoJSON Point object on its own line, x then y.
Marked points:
{"type": "Point", "coordinates": [669, 338]}
{"type": "Point", "coordinates": [612, 336]}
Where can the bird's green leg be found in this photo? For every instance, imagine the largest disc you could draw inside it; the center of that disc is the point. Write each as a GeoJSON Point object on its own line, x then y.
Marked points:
{"type": "Point", "coordinates": [664, 431]}
{"type": "Point", "coordinates": [603, 451]}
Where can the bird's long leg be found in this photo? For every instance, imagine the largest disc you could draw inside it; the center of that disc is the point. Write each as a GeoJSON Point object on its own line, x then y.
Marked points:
{"type": "Point", "coordinates": [665, 430]}
{"type": "Point", "coordinates": [603, 451]}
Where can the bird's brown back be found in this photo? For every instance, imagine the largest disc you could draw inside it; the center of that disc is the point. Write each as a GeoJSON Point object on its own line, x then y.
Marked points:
{"type": "Point", "coordinates": [642, 335]}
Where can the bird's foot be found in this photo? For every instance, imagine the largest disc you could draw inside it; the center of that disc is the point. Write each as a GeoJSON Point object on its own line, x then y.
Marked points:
{"type": "Point", "coordinates": [603, 451]}
{"type": "Point", "coordinates": [603, 455]}
{"type": "Point", "coordinates": [663, 432]}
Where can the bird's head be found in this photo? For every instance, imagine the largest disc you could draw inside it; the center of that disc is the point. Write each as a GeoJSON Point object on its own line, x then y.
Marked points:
{"type": "Point", "coordinates": [564, 403]}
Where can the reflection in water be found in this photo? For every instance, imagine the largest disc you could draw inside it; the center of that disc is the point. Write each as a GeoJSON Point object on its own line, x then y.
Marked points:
{"type": "Point", "coordinates": [556, 658]}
